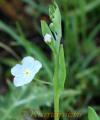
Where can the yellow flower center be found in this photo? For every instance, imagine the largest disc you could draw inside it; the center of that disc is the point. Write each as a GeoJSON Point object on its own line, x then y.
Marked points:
{"type": "Point", "coordinates": [27, 72]}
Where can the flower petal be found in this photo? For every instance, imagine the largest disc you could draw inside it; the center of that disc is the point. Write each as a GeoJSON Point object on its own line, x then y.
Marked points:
{"type": "Point", "coordinates": [28, 62]}
{"type": "Point", "coordinates": [20, 81]}
{"type": "Point", "coordinates": [37, 66]}
{"type": "Point", "coordinates": [27, 59]}
{"type": "Point", "coordinates": [16, 70]}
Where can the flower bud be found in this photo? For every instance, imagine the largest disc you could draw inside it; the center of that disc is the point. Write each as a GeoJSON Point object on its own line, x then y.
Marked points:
{"type": "Point", "coordinates": [47, 38]}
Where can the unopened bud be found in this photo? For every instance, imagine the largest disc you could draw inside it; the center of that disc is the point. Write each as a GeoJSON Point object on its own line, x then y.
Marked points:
{"type": "Point", "coordinates": [47, 38]}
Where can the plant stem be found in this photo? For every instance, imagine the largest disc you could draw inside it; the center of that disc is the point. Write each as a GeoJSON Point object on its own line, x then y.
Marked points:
{"type": "Point", "coordinates": [43, 82]}
{"type": "Point", "coordinates": [56, 106]}
{"type": "Point", "coordinates": [56, 89]}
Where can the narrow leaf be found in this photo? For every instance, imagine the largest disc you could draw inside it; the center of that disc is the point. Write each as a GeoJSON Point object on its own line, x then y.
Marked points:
{"type": "Point", "coordinates": [62, 69]}
{"type": "Point", "coordinates": [92, 114]}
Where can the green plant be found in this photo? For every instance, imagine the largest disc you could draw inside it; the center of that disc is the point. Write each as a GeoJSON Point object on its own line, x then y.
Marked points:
{"type": "Point", "coordinates": [54, 29]}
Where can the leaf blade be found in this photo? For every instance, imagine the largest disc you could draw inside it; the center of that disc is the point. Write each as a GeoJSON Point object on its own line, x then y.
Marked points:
{"type": "Point", "coordinates": [92, 114]}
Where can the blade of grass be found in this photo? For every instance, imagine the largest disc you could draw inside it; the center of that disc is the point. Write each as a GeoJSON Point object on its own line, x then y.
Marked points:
{"type": "Point", "coordinates": [88, 8]}
{"type": "Point", "coordinates": [8, 49]}
{"type": "Point", "coordinates": [34, 5]}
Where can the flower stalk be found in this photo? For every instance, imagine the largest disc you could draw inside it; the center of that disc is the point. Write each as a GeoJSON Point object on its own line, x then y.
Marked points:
{"type": "Point", "coordinates": [56, 89]}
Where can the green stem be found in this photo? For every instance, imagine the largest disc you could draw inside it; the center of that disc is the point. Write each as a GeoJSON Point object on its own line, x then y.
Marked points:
{"type": "Point", "coordinates": [56, 105]}
{"type": "Point", "coordinates": [43, 82]}
{"type": "Point", "coordinates": [56, 90]}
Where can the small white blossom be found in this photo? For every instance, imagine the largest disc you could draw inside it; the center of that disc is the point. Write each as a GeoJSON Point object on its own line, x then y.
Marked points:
{"type": "Point", "coordinates": [25, 72]}
{"type": "Point", "coordinates": [47, 38]}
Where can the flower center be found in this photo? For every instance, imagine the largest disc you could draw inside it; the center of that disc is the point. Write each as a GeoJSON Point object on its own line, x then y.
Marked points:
{"type": "Point", "coordinates": [27, 72]}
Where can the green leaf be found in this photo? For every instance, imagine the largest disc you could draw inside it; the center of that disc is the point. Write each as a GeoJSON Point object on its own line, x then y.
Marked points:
{"type": "Point", "coordinates": [8, 49]}
{"type": "Point", "coordinates": [34, 5]}
{"type": "Point", "coordinates": [55, 16]}
{"type": "Point", "coordinates": [62, 69]}
{"type": "Point", "coordinates": [31, 96]}
{"type": "Point", "coordinates": [8, 61]}
{"type": "Point", "coordinates": [92, 114]}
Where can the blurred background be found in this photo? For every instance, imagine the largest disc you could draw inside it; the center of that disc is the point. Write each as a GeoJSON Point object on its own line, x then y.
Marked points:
{"type": "Point", "coordinates": [20, 35]}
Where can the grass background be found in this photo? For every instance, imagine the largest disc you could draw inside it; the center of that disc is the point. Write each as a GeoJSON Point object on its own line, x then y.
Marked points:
{"type": "Point", "coordinates": [20, 35]}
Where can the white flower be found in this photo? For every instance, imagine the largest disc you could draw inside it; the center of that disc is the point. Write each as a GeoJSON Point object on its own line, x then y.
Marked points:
{"type": "Point", "coordinates": [47, 38]}
{"type": "Point", "coordinates": [25, 72]}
